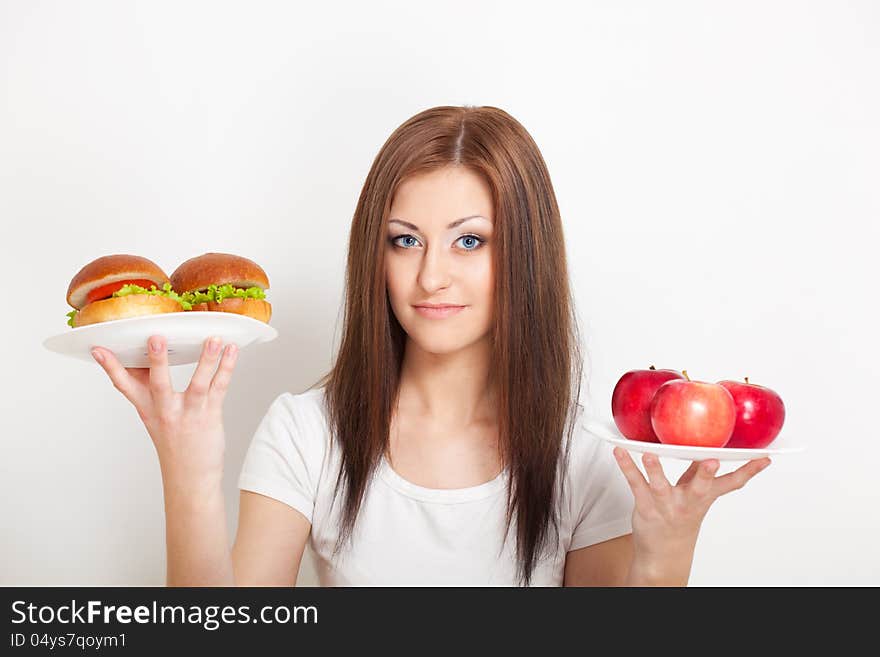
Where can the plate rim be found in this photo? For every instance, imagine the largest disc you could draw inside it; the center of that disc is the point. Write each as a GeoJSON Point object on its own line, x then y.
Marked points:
{"type": "Point", "coordinates": [73, 329]}
{"type": "Point", "coordinates": [70, 343]}
{"type": "Point", "coordinates": [236, 317]}
{"type": "Point", "coordinates": [677, 450]}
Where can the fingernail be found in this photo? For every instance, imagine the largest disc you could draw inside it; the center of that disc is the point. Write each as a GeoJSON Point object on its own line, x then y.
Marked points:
{"type": "Point", "coordinates": [232, 350]}
{"type": "Point", "coordinates": [213, 345]}
{"type": "Point", "coordinates": [156, 346]}
{"type": "Point", "coordinates": [97, 355]}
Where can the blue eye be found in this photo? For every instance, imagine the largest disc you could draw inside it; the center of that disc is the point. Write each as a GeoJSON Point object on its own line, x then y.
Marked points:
{"type": "Point", "coordinates": [475, 241]}
{"type": "Point", "coordinates": [393, 240]}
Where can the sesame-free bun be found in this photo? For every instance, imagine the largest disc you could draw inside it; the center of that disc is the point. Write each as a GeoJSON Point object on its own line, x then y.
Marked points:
{"type": "Point", "coordinates": [197, 274]}
{"type": "Point", "coordinates": [130, 305]}
{"type": "Point", "coordinates": [111, 269]}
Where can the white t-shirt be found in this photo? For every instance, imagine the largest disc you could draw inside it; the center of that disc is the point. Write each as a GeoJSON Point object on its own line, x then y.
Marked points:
{"type": "Point", "coordinates": [408, 535]}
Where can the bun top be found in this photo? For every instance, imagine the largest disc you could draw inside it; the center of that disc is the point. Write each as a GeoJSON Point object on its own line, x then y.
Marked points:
{"type": "Point", "coordinates": [197, 274]}
{"type": "Point", "coordinates": [112, 269]}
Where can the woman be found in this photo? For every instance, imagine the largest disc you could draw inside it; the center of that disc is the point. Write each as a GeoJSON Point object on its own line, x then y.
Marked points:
{"type": "Point", "coordinates": [446, 445]}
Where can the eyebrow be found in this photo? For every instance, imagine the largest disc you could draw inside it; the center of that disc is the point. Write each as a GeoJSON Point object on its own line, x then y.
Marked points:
{"type": "Point", "coordinates": [455, 223]}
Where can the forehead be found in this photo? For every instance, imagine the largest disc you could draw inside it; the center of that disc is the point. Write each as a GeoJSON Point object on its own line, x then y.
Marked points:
{"type": "Point", "coordinates": [442, 195]}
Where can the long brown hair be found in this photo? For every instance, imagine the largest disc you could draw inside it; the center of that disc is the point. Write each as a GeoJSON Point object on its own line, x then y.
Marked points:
{"type": "Point", "coordinates": [536, 357]}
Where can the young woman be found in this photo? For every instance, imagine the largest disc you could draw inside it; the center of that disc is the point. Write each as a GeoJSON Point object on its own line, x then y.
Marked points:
{"type": "Point", "coordinates": [447, 444]}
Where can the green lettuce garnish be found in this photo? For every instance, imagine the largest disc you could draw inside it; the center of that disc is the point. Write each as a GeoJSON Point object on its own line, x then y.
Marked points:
{"type": "Point", "coordinates": [217, 293]}
{"type": "Point", "coordinates": [166, 291]}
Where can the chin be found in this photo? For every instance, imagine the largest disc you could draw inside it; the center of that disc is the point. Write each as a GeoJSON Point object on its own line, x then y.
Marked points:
{"type": "Point", "coordinates": [438, 346]}
{"type": "Point", "coordinates": [442, 342]}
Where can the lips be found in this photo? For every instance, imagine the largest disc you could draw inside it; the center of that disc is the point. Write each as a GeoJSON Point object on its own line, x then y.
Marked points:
{"type": "Point", "coordinates": [438, 311]}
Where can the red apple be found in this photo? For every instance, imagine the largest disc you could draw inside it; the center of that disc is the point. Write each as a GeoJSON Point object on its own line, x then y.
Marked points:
{"type": "Point", "coordinates": [759, 414]}
{"type": "Point", "coordinates": [631, 401]}
{"type": "Point", "coordinates": [694, 413]}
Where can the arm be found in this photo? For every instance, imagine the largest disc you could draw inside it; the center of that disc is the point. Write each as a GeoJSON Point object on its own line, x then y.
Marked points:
{"type": "Point", "coordinates": [187, 431]}
{"type": "Point", "coordinates": [268, 547]}
{"type": "Point", "coordinates": [613, 563]}
{"type": "Point", "coordinates": [270, 542]}
{"type": "Point", "coordinates": [195, 536]}
{"type": "Point", "coordinates": [667, 518]}
{"type": "Point", "coordinates": [675, 572]}
{"type": "Point", "coordinates": [603, 564]}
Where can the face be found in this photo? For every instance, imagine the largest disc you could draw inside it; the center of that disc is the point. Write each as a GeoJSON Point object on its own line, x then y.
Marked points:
{"type": "Point", "coordinates": [439, 252]}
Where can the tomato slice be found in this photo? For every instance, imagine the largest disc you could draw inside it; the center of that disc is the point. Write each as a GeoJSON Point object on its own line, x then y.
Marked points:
{"type": "Point", "coordinates": [106, 291]}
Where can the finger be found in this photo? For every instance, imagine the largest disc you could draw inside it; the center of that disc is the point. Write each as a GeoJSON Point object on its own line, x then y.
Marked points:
{"type": "Point", "coordinates": [220, 384]}
{"type": "Point", "coordinates": [160, 376]}
{"type": "Point", "coordinates": [658, 482]}
{"type": "Point", "coordinates": [197, 391]}
{"type": "Point", "coordinates": [688, 474]}
{"type": "Point", "coordinates": [701, 484]}
{"type": "Point", "coordinates": [738, 478]}
{"type": "Point", "coordinates": [131, 387]}
{"type": "Point", "coordinates": [141, 375]}
{"type": "Point", "coordinates": [634, 476]}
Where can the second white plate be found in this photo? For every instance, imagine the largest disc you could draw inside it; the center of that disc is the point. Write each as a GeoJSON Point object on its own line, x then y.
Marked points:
{"type": "Point", "coordinates": [185, 334]}
{"type": "Point", "coordinates": [610, 433]}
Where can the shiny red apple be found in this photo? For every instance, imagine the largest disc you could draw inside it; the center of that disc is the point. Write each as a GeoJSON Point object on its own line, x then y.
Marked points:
{"type": "Point", "coordinates": [631, 401]}
{"type": "Point", "coordinates": [760, 414]}
{"type": "Point", "coordinates": [697, 413]}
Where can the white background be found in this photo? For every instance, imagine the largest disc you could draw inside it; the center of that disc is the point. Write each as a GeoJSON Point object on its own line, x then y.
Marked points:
{"type": "Point", "coordinates": [716, 164]}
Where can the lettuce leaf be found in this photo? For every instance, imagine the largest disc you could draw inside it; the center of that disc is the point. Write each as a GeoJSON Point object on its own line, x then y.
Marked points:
{"type": "Point", "coordinates": [166, 291]}
{"type": "Point", "coordinates": [217, 293]}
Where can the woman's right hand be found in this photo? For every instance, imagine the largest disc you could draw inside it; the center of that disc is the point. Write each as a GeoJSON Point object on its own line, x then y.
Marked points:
{"type": "Point", "coordinates": [186, 427]}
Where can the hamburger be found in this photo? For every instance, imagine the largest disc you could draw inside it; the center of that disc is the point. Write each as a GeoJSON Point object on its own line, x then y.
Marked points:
{"type": "Point", "coordinates": [223, 282]}
{"type": "Point", "coordinates": [120, 286]}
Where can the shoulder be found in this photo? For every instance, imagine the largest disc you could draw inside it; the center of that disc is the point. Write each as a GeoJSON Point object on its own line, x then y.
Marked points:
{"type": "Point", "coordinates": [597, 496]}
{"type": "Point", "coordinates": [299, 416]}
{"type": "Point", "coordinates": [584, 444]}
{"type": "Point", "coordinates": [307, 401]}
{"type": "Point", "coordinates": [287, 454]}
{"type": "Point", "coordinates": [306, 405]}
{"type": "Point", "coordinates": [590, 460]}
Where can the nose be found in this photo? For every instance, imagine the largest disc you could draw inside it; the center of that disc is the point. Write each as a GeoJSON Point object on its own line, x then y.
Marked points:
{"type": "Point", "coordinates": [434, 273]}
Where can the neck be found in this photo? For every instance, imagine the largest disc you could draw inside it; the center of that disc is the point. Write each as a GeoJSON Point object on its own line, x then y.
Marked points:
{"type": "Point", "coordinates": [449, 388]}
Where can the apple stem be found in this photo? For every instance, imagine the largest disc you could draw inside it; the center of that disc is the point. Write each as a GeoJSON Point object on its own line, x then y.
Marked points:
{"type": "Point", "coordinates": [652, 368]}
{"type": "Point", "coordinates": [685, 372]}
{"type": "Point", "coordinates": [747, 379]}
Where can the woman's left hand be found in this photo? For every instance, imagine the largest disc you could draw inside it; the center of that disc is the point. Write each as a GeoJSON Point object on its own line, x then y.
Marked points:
{"type": "Point", "coordinates": [667, 519]}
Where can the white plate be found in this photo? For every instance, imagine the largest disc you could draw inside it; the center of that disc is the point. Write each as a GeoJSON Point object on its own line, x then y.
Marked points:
{"type": "Point", "coordinates": [185, 334]}
{"type": "Point", "coordinates": [608, 431]}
